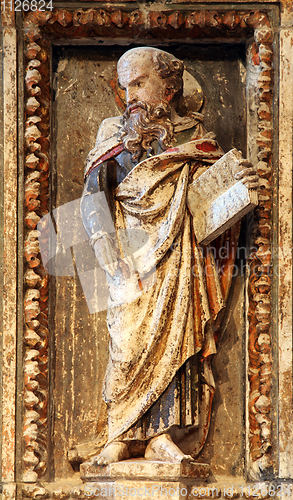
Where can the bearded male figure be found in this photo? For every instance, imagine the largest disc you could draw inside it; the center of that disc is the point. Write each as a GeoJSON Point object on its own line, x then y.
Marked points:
{"type": "Point", "coordinates": [158, 385]}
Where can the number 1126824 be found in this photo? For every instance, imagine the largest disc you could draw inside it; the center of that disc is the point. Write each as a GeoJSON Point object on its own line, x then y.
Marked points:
{"type": "Point", "coordinates": [26, 5]}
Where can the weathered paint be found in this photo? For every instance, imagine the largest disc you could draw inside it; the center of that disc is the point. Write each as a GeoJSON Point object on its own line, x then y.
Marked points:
{"type": "Point", "coordinates": [285, 255]}
{"type": "Point", "coordinates": [9, 255]}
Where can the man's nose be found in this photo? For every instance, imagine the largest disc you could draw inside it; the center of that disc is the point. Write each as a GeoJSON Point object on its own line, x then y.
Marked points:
{"type": "Point", "coordinates": [130, 96]}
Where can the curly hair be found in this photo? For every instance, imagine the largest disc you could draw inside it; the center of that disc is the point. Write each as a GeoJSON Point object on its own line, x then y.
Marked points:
{"type": "Point", "coordinates": [170, 68]}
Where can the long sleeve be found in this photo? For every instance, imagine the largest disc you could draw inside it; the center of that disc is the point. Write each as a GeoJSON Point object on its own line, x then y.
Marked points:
{"type": "Point", "coordinates": [95, 212]}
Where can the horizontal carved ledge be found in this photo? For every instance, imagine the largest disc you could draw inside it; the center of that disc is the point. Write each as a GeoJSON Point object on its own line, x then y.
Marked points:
{"type": "Point", "coordinates": [113, 23]}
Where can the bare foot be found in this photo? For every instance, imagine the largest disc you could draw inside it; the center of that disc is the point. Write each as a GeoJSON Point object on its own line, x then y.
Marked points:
{"type": "Point", "coordinates": [114, 452]}
{"type": "Point", "coordinates": [162, 448]}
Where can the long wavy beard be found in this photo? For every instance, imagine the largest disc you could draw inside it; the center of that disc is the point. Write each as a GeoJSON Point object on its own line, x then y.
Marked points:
{"type": "Point", "coordinates": [144, 125]}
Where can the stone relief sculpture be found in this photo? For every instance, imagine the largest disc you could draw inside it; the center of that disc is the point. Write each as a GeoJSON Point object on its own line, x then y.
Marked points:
{"type": "Point", "coordinates": [167, 299]}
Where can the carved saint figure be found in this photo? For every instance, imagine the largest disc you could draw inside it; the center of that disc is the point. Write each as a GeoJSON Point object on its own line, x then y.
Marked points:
{"type": "Point", "coordinates": [165, 305]}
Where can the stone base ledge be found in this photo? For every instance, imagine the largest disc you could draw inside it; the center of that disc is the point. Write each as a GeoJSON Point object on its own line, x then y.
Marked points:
{"type": "Point", "coordinates": [144, 469]}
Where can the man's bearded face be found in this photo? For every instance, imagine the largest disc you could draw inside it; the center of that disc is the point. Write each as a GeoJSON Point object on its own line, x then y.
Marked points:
{"type": "Point", "coordinates": [144, 123]}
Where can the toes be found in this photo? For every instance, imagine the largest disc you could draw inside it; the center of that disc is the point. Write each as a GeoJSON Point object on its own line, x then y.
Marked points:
{"type": "Point", "coordinates": [100, 461]}
{"type": "Point", "coordinates": [115, 452]}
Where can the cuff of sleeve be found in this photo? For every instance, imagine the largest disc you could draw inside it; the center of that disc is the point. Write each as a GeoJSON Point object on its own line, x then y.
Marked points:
{"type": "Point", "coordinates": [95, 237]}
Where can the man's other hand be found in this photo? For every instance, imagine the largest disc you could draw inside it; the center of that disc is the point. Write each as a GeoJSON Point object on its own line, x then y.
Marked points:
{"type": "Point", "coordinates": [248, 175]}
{"type": "Point", "coordinates": [107, 254]}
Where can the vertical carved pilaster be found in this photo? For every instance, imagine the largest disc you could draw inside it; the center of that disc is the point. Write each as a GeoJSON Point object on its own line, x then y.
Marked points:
{"type": "Point", "coordinates": [37, 140]}
{"type": "Point", "coordinates": [260, 340]}
{"type": "Point", "coordinates": [8, 282]}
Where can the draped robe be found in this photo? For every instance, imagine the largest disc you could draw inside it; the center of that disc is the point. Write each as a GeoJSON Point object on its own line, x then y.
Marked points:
{"type": "Point", "coordinates": [164, 312]}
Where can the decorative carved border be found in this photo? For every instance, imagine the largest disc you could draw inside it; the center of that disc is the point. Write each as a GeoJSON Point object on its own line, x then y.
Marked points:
{"type": "Point", "coordinates": [260, 356]}
{"type": "Point", "coordinates": [37, 140]}
{"type": "Point", "coordinates": [39, 29]}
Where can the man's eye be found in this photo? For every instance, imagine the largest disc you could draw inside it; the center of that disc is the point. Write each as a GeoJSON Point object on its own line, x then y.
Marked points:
{"type": "Point", "coordinates": [139, 84]}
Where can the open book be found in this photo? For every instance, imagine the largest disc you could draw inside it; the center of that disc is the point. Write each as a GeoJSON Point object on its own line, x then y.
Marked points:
{"type": "Point", "coordinates": [216, 200]}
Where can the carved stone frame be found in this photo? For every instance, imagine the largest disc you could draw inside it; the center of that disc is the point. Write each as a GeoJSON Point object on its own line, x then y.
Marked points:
{"type": "Point", "coordinates": [42, 29]}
